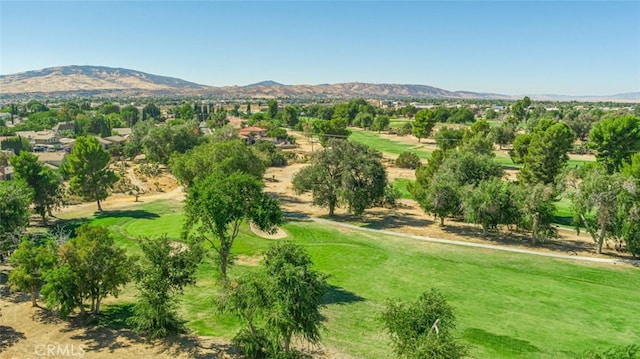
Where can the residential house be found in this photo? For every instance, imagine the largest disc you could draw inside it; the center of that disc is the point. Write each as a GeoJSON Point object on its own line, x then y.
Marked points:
{"type": "Point", "coordinates": [122, 131]}
{"type": "Point", "coordinates": [104, 142]}
{"type": "Point", "coordinates": [115, 140]}
{"type": "Point", "coordinates": [252, 133]}
{"type": "Point", "coordinates": [54, 159]}
{"type": "Point", "coordinates": [40, 137]}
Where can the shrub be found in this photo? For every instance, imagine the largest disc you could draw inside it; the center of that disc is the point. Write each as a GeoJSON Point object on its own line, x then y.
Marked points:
{"type": "Point", "coordinates": [408, 160]}
{"type": "Point", "coordinates": [423, 329]}
{"type": "Point", "coordinates": [406, 129]}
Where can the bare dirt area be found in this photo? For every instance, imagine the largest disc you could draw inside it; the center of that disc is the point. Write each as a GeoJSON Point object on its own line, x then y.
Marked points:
{"type": "Point", "coordinates": [152, 188]}
{"type": "Point", "coordinates": [32, 332]}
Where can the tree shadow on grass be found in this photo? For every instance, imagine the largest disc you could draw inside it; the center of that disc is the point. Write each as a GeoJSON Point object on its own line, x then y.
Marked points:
{"type": "Point", "coordinates": [9, 336]}
{"type": "Point", "coordinates": [283, 198]}
{"type": "Point", "coordinates": [295, 216]}
{"type": "Point", "coordinates": [395, 220]}
{"type": "Point", "coordinates": [134, 213]}
{"type": "Point", "coordinates": [503, 344]}
{"type": "Point", "coordinates": [337, 295]}
{"type": "Point", "coordinates": [380, 219]}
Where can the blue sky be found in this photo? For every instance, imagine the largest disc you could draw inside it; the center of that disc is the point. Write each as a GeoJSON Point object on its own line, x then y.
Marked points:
{"type": "Point", "coordinates": [509, 47]}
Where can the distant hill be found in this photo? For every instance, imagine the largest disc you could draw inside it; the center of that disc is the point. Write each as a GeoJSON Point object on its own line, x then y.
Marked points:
{"type": "Point", "coordinates": [265, 83]}
{"type": "Point", "coordinates": [90, 81]}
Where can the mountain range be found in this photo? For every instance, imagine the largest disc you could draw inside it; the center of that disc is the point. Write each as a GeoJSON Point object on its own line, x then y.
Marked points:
{"type": "Point", "coordinates": [100, 81]}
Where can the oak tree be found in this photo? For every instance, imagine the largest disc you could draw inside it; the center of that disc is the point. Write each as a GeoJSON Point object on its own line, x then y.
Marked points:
{"type": "Point", "coordinates": [343, 173]}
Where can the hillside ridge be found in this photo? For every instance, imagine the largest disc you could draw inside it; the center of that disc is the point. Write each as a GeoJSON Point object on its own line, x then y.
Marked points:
{"type": "Point", "coordinates": [103, 81]}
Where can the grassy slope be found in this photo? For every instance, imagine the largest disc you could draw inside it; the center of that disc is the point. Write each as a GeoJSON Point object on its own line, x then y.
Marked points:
{"type": "Point", "coordinates": [386, 146]}
{"type": "Point", "coordinates": [508, 305]}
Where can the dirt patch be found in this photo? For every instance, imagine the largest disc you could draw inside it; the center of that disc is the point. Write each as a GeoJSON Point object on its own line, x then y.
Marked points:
{"type": "Point", "coordinates": [252, 261]}
{"type": "Point", "coordinates": [276, 234]}
{"type": "Point", "coordinates": [30, 332]}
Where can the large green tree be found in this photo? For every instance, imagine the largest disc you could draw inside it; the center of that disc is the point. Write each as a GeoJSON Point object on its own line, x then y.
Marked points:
{"type": "Point", "coordinates": [165, 269]}
{"type": "Point", "coordinates": [277, 303]}
{"type": "Point", "coordinates": [491, 203]}
{"type": "Point", "coordinates": [598, 200]}
{"type": "Point", "coordinates": [160, 143]}
{"type": "Point", "coordinates": [16, 144]}
{"type": "Point", "coordinates": [344, 173]}
{"type": "Point", "coordinates": [225, 156]}
{"type": "Point", "coordinates": [380, 122]}
{"type": "Point", "coordinates": [130, 114]}
{"type": "Point", "coordinates": [503, 134]}
{"type": "Point", "coordinates": [46, 184]}
{"type": "Point", "coordinates": [88, 167]}
{"type": "Point", "coordinates": [449, 138]}
{"type": "Point", "coordinates": [423, 124]}
{"type": "Point", "coordinates": [272, 106]}
{"type": "Point", "coordinates": [30, 261]}
{"type": "Point", "coordinates": [336, 128]}
{"type": "Point", "coordinates": [151, 111]}
{"type": "Point", "coordinates": [15, 197]}
{"type": "Point", "coordinates": [217, 205]}
{"type": "Point", "coordinates": [537, 209]}
{"type": "Point", "coordinates": [547, 152]}
{"type": "Point", "coordinates": [462, 115]}
{"type": "Point", "coordinates": [423, 329]}
{"type": "Point", "coordinates": [615, 140]}
{"type": "Point", "coordinates": [91, 267]}
{"type": "Point", "coordinates": [134, 144]}
{"type": "Point", "coordinates": [297, 293]}
{"type": "Point", "coordinates": [290, 116]}
{"type": "Point", "coordinates": [441, 197]}
{"type": "Point", "coordinates": [468, 168]}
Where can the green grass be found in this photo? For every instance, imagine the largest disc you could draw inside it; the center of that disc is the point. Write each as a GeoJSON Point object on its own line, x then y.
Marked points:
{"type": "Point", "coordinates": [401, 185]}
{"type": "Point", "coordinates": [398, 122]}
{"type": "Point", "coordinates": [564, 212]}
{"type": "Point", "coordinates": [508, 305]}
{"type": "Point", "coordinates": [386, 146]}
